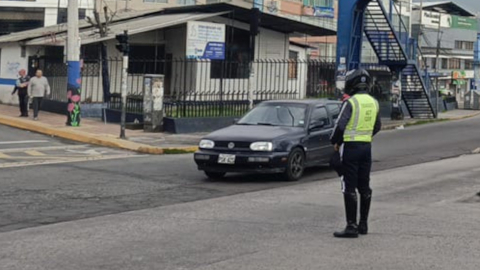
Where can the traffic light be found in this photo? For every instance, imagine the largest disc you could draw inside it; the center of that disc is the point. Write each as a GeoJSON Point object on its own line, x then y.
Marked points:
{"type": "Point", "coordinates": [255, 16]}
{"type": "Point", "coordinates": [122, 45]}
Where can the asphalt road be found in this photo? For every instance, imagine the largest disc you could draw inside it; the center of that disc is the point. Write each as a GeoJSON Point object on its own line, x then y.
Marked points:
{"type": "Point", "coordinates": [423, 217]}
{"type": "Point", "coordinates": [71, 188]}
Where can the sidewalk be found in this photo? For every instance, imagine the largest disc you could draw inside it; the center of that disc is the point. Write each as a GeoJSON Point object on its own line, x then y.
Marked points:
{"type": "Point", "coordinates": [387, 123]}
{"type": "Point", "coordinates": [94, 131]}
{"type": "Point", "coordinates": [423, 217]}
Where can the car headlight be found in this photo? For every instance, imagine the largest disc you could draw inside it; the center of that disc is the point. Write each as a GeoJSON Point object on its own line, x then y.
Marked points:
{"type": "Point", "coordinates": [261, 146]}
{"type": "Point", "coordinates": [206, 144]}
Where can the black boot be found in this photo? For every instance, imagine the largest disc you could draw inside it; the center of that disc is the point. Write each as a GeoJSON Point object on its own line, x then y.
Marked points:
{"type": "Point", "coordinates": [351, 231]}
{"type": "Point", "coordinates": [365, 200]}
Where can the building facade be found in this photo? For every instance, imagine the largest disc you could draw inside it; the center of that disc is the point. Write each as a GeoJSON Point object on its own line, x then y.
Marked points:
{"type": "Point", "coordinates": [158, 45]}
{"type": "Point", "coordinates": [20, 15]}
{"type": "Point", "coordinates": [446, 34]}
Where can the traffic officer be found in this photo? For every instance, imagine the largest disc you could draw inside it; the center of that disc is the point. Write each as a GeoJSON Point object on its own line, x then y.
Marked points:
{"type": "Point", "coordinates": [358, 122]}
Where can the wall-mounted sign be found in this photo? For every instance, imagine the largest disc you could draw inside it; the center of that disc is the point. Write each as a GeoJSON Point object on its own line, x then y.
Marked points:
{"type": "Point", "coordinates": [205, 40]}
{"type": "Point", "coordinates": [458, 77]}
{"type": "Point", "coordinates": [464, 23]}
{"type": "Point", "coordinates": [318, 11]}
{"type": "Point", "coordinates": [324, 12]}
{"type": "Point", "coordinates": [431, 19]}
{"type": "Point", "coordinates": [272, 7]}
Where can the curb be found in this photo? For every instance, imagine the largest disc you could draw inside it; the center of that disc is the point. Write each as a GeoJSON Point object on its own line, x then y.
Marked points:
{"type": "Point", "coordinates": [88, 138]}
{"type": "Point", "coordinates": [394, 126]}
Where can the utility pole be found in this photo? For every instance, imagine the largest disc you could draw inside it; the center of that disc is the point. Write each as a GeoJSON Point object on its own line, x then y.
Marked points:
{"type": "Point", "coordinates": [439, 38]}
{"type": "Point", "coordinates": [124, 48]}
{"type": "Point", "coordinates": [254, 30]}
{"type": "Point", "coordinates": [73, 65]}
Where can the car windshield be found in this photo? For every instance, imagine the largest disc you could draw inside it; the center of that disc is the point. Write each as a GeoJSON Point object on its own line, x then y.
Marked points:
{"type": "Point", "coordinates": [291, 115]}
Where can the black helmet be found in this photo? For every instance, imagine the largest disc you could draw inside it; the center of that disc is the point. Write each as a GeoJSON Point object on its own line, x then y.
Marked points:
{"type": "Point", "coordinates": [356, 80]}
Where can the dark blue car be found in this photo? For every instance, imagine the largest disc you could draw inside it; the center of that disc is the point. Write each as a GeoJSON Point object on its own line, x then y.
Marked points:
{"type": "Point", "coordinates": [277, 137]}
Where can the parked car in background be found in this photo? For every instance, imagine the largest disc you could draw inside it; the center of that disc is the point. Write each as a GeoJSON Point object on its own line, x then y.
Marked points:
{"type": "Point", "coordinates": [276, 137]}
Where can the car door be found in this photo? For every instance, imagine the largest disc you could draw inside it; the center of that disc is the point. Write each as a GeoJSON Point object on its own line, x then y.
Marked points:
{"type": "Point", "coordinates": [319, 147]}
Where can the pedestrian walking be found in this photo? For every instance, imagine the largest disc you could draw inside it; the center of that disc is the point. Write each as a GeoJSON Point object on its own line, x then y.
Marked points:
{"type": "Point", "coordinates": [21, 88]}
{"type": "Point", "coordinates": [358, 122]}
{"type": "Point", "coordinates": [38, 87]}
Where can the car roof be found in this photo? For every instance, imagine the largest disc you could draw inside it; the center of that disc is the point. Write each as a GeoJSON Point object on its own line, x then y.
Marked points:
{"type": "Point", "coordinates": [311, 102]}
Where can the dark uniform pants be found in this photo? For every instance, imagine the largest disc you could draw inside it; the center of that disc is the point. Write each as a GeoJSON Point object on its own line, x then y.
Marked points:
{"type": "Point", "coordinates": [357, 163]}
{"type": "Point", "coordinates": [23, 103]}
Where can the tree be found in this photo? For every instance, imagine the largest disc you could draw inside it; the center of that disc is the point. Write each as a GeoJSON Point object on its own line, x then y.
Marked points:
{"type": "Point", "coordinates": [102, 27]}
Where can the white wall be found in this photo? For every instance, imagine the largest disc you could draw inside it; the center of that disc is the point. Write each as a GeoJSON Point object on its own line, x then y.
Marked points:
{"type": "Point", "coordinates": [50, 7]}
{"type": "Point", "coordinates": [270, 45]}
{"type": "Point", "coordinates": [10, 63]}
{"type": "Point", "coordinates": [45, 3]}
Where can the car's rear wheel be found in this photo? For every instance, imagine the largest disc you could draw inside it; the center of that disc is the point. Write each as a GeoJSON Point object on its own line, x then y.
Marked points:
{"type": "Point", "coordinates": [214, 175]}
{"type": "Point", "coordinates": [295, 166]}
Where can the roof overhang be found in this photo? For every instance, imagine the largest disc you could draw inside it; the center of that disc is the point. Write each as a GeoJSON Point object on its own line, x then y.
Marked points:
{"type": "Point", "coordinates": [268, 21]}
{"type": "Point", "coordinates": [134, 26]}
{"type": "Point", "coordinates": [447, 7]}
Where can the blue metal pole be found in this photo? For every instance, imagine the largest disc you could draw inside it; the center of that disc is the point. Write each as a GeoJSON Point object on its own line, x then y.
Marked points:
{"type": "Point", "coordinates": [350, 32]}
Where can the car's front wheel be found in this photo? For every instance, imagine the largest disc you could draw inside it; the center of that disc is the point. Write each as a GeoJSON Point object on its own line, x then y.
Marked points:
{"type": "Point", "coordinates": [295, 166]}
{"type": "Point", "coordinates": [214, 175]}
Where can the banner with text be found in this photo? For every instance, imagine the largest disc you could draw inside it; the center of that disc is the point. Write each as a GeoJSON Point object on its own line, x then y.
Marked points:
{"type": "Point", "coordinates": [205, 40]}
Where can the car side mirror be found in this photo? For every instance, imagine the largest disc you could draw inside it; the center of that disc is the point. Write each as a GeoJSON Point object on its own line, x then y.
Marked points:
{"type": "Point", "coordinates": [317, 125]}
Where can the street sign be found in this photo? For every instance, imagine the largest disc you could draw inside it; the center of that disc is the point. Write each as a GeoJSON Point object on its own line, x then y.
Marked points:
{"type": "Point", "coordinates": [205, 40]}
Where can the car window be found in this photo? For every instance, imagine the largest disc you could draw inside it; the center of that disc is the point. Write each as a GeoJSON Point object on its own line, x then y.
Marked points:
{"type": "Point", "coordinates": [292, 115]}
{"type": "Point", "coordinates": [334, 110]}
{"type": "Point", "coordinates": [320, 114]}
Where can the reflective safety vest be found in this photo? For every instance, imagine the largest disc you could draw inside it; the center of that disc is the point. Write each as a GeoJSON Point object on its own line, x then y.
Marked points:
{"type": "Point", "coordinates": [362, 122]}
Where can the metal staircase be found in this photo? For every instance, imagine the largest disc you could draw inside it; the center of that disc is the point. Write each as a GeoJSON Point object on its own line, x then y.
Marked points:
{"type": "Point", "coordinates": [393, 47]}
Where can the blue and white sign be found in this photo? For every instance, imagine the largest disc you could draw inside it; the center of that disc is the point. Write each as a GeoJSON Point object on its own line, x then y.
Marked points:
{"type": "Point", "coordinates": [205, 40]}
{"type": "Point", "coordinates": [324, 12]}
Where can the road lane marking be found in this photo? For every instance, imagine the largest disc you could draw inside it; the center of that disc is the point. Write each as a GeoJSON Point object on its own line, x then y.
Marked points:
{"type": "Point", "coordinates": [44, 148]}
{"type": "Point", "coordinates": [22, 142]}
{"type": "Point", "coordinates": [34, 153]}
{"type": "Point", "coordinates": [91, 152]}
{"type": "Point", "coordinates": [3, 156]}
{"type": "Point", "coordinates": [83, 159]}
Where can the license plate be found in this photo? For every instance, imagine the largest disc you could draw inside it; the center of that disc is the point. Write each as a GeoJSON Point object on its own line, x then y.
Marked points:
{"type": "Point", "coordinates": [226, 159]}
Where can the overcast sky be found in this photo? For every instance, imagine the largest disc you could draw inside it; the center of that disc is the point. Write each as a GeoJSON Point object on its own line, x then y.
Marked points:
{"type": "Point", "coordinates": [471, 5]}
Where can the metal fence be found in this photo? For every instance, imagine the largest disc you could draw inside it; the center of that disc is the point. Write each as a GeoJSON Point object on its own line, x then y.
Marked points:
{"type": "Point", "coordinates": [203, 87]}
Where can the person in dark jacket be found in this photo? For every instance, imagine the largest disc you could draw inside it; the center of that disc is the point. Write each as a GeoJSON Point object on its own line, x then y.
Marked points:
{"type": "Point", "coordinates": [21, 87]}
{"type": "Point", "coordinates": [358, 122]}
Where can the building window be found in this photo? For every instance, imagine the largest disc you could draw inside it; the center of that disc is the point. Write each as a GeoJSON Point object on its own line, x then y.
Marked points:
{"type": "Point", "coordinates": [469, 46]}
{"type": "Point", "coordinates": [433, 63]}
{"type": "Point", "coordinates": [444, 64]}
{"type": "Point", "coordinates": [454, 64]}
{"type": "Point", "coordinates": [236, 64]}
{"type": "Point", "coordinates": [186, 2]}
{"type": "Point", "coordinates": [146, 59]}
{"type": "Point", "coordinates": [318, 3]}
{"type": "Point", "coordinates": [156, 1]}
{"type": "Point", "coordinates": [90, 53]}
{"type": "Point", "coordinates": [292, 65]}
{"type": "Point", "coordinates": [63, 14]}
{"type": "Point", "coordinates": [469, 64]}
{"type": "Point", "coordinates": [464, 45]}
{"type": "Point", "coordinates": [458, 45]}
